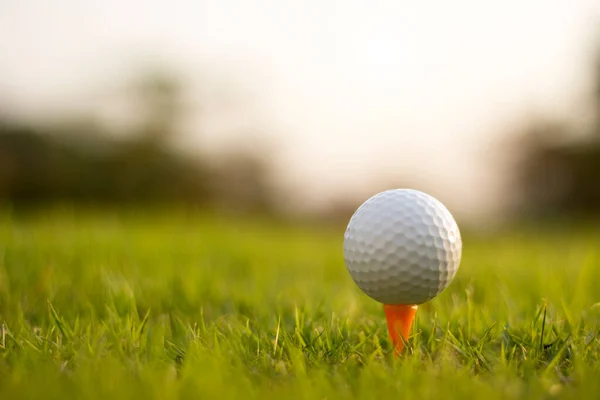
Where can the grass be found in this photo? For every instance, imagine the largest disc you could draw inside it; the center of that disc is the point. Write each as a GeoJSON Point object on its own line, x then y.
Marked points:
{"type": "Point", "coordinates": [172, 306]}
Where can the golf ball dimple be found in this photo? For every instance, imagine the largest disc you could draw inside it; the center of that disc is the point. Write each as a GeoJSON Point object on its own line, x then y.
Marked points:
{"type": "Point", "coordinates": [402, 246]}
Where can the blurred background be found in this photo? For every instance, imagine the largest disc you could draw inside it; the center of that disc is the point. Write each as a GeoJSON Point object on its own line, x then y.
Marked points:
{"type": "Point", "coordinates": [302, 109]}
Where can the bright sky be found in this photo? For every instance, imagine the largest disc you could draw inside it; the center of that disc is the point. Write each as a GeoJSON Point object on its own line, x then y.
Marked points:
{"type": "Point", "coordinates": [356, 92]}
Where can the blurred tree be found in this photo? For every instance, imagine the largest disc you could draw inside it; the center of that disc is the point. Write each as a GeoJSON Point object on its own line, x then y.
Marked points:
{"type": "Point", "coordinates": [78, 160]}
{"type": "Point", "coordinates": [73, 163]}
{"type": "Point", "coordinates": [159, 96]}
{"type": "Point", "coordinates": [558, 173]}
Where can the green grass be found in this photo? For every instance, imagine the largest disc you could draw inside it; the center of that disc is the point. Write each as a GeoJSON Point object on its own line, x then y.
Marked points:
{"type": "Point", "coordinates": [185, 306]}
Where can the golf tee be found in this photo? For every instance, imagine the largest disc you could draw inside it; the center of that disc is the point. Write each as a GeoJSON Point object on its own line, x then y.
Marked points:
{"type": "Point", "coordinates": [400, 318]}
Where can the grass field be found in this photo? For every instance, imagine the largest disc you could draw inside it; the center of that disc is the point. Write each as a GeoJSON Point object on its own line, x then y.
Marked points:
{"type": "Point", "coordinates": [184, 306]}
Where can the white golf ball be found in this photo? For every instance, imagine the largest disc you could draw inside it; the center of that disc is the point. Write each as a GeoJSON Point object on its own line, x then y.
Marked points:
{"type": "Point", "coordinates": [402, 246]}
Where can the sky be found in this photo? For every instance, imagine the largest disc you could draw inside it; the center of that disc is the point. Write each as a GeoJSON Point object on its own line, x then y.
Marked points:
{"type": "Point", "coordinates": [353, 94]}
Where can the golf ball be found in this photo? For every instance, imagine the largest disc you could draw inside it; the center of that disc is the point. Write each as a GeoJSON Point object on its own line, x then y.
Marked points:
{"type": "Point", "coordinates": [402, 246]}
